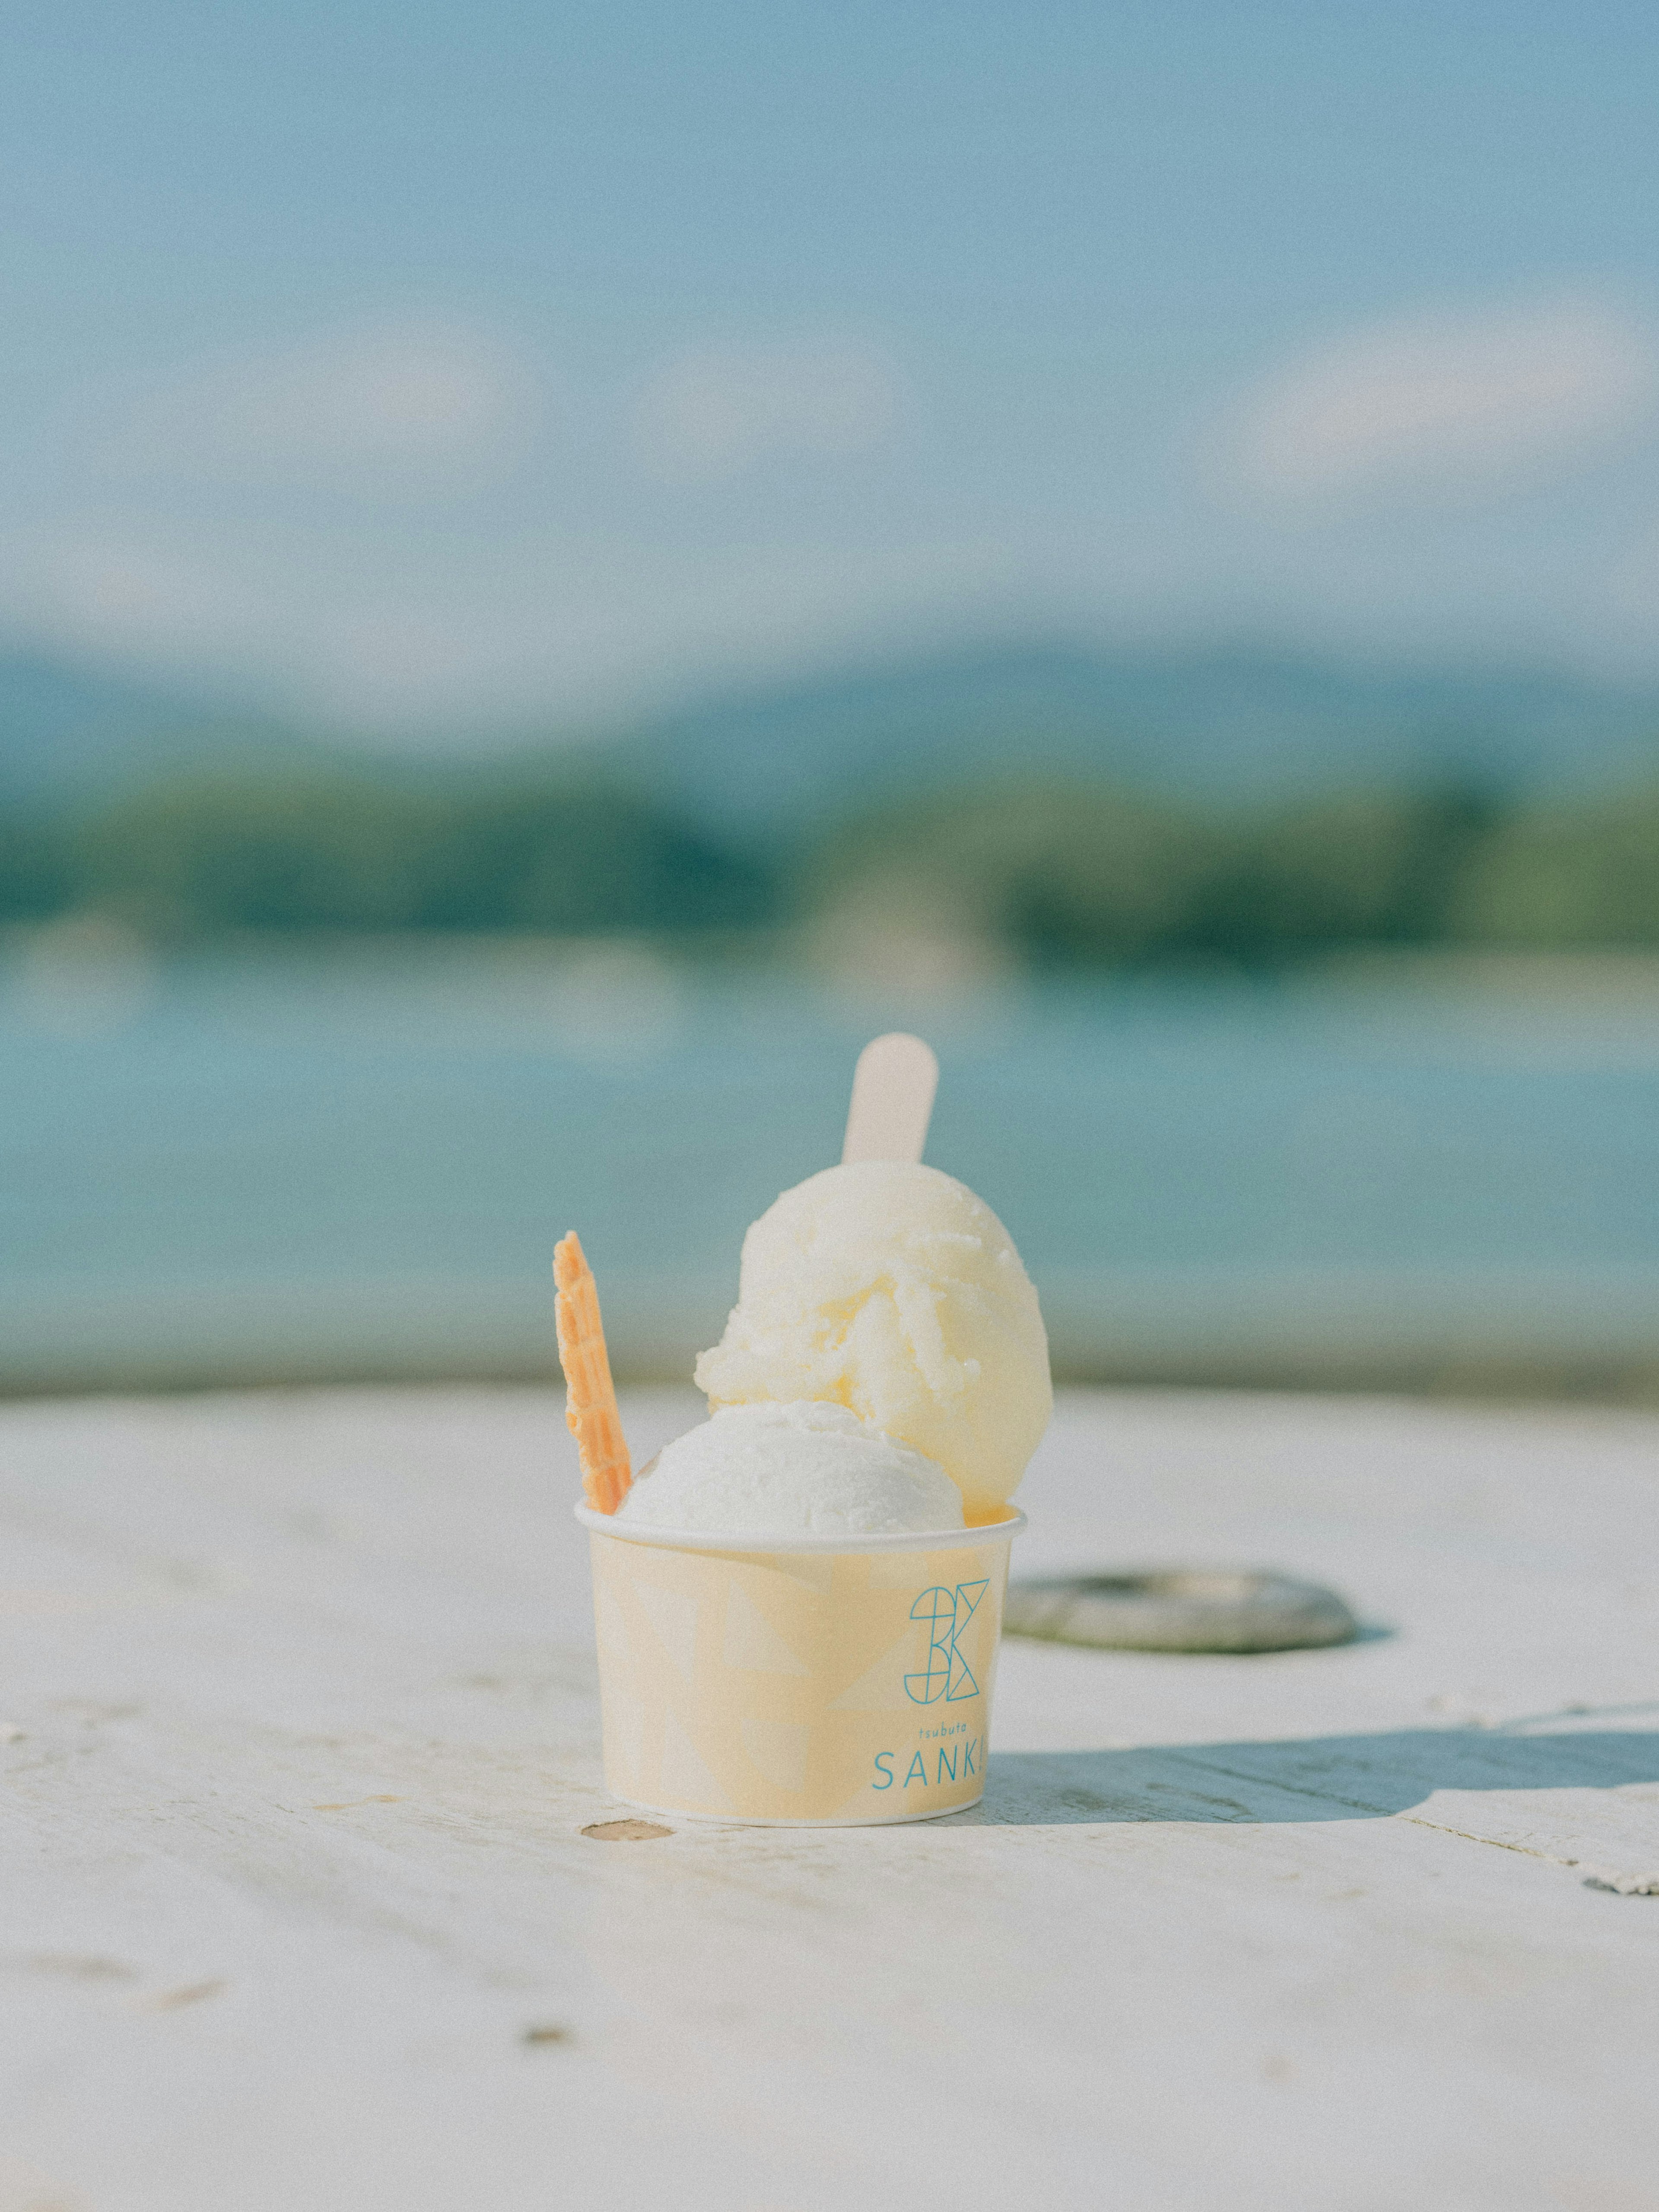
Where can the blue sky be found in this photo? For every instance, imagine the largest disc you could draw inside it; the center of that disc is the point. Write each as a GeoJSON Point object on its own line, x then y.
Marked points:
{"type": "Point", "coordinates": [430, 364]}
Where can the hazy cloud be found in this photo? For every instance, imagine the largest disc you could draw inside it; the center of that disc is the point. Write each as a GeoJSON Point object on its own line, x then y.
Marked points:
{"type": "Point", "coordinates": [592, 629]}
{"type": "Point", "coordinates": [380, 410]}
{"type": "Point", "coordinates": [563, 628]}
{"type": "Point", "coordinates": [1473, 400]}
{"type": "Point", "coordinates": [131, 593]}
{"type": "Point", "coordinates": [709, 416]}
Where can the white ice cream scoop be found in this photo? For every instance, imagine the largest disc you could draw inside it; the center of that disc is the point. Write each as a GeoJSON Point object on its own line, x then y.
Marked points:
{"type": "Point", "coordinates": [792, 1470]}
{"type": "Point", "coordinates": [885, 1287]}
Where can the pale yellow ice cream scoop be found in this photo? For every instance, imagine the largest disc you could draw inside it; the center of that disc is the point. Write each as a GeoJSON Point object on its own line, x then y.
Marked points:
{"type": "Point", "coordinates": [888, 1287]}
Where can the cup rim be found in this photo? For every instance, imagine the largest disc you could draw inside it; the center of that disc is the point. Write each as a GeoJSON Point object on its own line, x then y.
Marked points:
{"type": "Point", "coordinates": [717, 1539]}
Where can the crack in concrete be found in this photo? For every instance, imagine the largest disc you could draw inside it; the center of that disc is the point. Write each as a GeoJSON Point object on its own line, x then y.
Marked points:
{"type": "Point", "coordinates": [1466, 1835]}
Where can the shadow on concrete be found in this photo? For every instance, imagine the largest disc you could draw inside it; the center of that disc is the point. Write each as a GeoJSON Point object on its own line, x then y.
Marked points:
{"type": "Point", "coordinates": [1331, 1777]}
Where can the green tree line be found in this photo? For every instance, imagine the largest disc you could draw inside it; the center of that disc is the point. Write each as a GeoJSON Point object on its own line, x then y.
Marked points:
{"type": "Point", "coordinates": [200, 854]}
{"type": "Point", "coordinates": [1072, 875]}
{"type": "Point", "coordinates": [1067, 874]}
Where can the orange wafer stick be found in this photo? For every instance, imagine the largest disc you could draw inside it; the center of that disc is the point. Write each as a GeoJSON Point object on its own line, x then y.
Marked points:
{"type": "Point", "coordinates": [590, 1399]}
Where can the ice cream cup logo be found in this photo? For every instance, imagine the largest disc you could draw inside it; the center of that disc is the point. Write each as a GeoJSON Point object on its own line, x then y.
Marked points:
{"type": "Point", "coordinates": [947, 1675]}
{"type": "Point", "coordinates": [827, 1680]}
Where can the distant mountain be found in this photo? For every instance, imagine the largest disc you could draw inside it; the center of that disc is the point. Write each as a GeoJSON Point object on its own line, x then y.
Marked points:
{"type": "Point", "coordinates": [1235, 721]}
{"type": "Point", "coordinates": [66, 730]}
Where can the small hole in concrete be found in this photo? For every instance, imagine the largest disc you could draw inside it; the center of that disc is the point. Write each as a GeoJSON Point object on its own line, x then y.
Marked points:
{"type": "Point", "coordinates": [626, 1831]}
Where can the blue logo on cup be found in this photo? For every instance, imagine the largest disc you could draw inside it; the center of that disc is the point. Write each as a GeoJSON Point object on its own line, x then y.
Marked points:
{"type": "Point", "coordinates": [946, 1614]}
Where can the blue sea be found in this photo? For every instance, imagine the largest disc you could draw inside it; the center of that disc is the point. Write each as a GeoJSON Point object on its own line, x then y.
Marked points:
{"type": "Point", "coordinates": [297, 1166]}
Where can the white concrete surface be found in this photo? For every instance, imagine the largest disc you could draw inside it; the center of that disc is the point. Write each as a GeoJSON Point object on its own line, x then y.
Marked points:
{"type": "Point", "coordinates": [300, 1738]}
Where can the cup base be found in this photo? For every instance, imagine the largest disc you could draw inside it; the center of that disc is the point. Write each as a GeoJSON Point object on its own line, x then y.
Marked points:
{"type": "Point", "coordinates": [837, 1682]}
{"type": "Point", "coordinates": [756, 1820]}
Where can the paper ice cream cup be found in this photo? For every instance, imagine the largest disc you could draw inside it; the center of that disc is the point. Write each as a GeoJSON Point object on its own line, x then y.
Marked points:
{"type": "Point", "coordinates": [822, 1681]}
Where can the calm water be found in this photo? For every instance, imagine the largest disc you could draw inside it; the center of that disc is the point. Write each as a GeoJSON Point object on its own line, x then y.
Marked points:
{"type": "Point", "coordinates": [295, 1167]}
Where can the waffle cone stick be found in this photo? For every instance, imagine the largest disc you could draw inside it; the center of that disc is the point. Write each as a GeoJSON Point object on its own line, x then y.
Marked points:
{"type": "Point", "coordinates": [590, 1403]}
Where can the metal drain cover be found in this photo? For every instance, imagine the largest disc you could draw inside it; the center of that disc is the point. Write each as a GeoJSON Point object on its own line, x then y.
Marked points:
{"type": "Point", "coordinates": [1179, 1609]}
